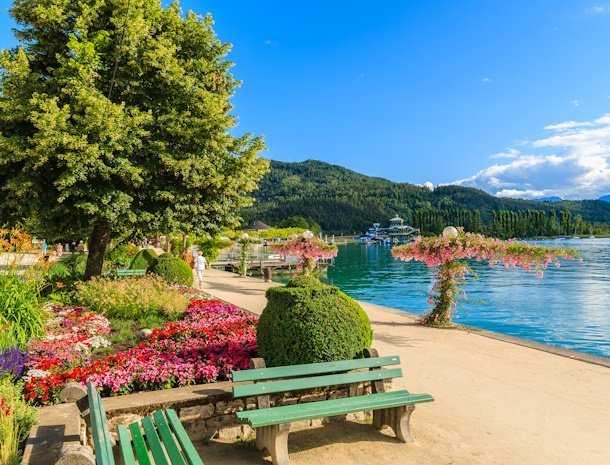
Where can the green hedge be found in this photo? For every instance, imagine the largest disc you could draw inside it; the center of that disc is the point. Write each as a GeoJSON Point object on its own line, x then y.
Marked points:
{"type": "Point", "coordinates": [310, 322]}
{"type": "Point", "coordinates": [173, 270]}
{"type": "Point", "coordinates": [143, 260]}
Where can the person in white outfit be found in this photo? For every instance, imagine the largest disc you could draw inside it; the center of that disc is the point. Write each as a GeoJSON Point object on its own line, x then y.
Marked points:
{"type": "Point", "coordinates": [200, 264]}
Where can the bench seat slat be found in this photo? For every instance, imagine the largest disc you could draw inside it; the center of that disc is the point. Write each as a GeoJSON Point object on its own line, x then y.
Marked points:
{"type": "Point", "coordinates": [290, 413]}
{"type": "Point", "coordinates": [153, 442]}
{"type": "Point", "coordinates": [125, 445]}
{"type": "Point", "coordinates": [187, 446]}
{"type": "Point", "coordinates": [314, 381]}
{"type": "Point", "coordinates": [313, 406]}
{"type": "Point", "coordinates": [139, 445]}
{"type": "Point", "coordinates": [261, 374]}
{"type": "Point", "coordinates": [170, 443]}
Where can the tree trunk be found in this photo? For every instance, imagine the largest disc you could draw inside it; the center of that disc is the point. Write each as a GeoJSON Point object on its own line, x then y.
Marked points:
{"type": "Point", "coordinates": [98, 241]}
{"type": "Point", "coordinates": [184, 240]}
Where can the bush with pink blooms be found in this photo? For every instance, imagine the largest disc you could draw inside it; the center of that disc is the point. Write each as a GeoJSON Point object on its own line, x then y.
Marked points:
{"type": "Point", "coordinates": [445, 255]}
{"type": "Point", "coordinates": [211, 340]}
{"type": "Point", "coordinates": [309, 249]}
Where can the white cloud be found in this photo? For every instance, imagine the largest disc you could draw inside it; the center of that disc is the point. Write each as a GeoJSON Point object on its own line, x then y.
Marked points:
{"type": "Point", "coordinates": [429, 185]}
{"type": "Point", "coordinates": [572, 162]}
{"type": "Point", "coordinates": [509, 153]}
{"type": "Point", "coordinates": [597, 10]}
{"type": "Point", "coordinates": [486, 80]}
{"type": "Point", "coordinates": [576, 103]}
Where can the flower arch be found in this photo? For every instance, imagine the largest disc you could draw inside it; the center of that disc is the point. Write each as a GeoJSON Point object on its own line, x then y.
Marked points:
{"type": "Point", "coordinates": [446, 255]}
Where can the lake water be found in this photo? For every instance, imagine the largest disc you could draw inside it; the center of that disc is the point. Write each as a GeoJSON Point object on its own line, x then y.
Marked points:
{"type": "Point", "coordinates": [569, 307]}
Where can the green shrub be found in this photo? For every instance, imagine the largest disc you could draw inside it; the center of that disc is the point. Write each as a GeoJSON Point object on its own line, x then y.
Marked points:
{"type": "Point", "coordinates": [71, 267]}
{"type": "Point", "coordinates": [173, 270]}
{"type": "Point", "coordinates": [143, 260]}
{"type": "Point", "coordinates": [131, 298]}
{"type": "Point", "coordinates": [15, 424]}
{"type": "Point", "coordinates": [21, 316]}
{"type": "Point", "coordinates": [211, 248]}
{"type": "Point", "coordinates": [310, 322]}
{"type": "Point", "coordinates": [177, 242]}
{"type": "Point", "coordinates": [121, 255]}
{"type": "Point", "coordinates": [67, 271]}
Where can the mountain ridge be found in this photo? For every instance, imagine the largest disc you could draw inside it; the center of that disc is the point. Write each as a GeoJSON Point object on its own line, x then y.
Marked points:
{"type": "Point", "coordinates": [345, 201]}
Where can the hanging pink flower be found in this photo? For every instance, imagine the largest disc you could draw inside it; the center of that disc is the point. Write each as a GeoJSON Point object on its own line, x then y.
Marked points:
{"type": "Point", "coordinates": [445, 253]}
{"type": "Point", "coordinates": [308, 248]}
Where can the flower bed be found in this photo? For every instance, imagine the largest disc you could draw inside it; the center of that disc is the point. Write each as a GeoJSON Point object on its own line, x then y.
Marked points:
{"type": "Point", "coordinates": [205, 346]}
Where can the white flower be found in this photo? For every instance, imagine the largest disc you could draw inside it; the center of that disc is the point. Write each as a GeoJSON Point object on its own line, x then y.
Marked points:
{"type": "Point", "coordinates": [35, 373]}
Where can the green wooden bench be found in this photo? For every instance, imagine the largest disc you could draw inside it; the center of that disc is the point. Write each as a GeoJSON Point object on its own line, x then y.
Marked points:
{"type": "Point", "coordinates": [272, 424]}
{"type": "Point", "coordinates": [123, 273]}
{"type": "Point", "coordinates": [160, 439]}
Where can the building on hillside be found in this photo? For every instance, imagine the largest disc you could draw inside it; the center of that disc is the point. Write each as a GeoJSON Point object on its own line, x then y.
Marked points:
{"type": "Point", "coordinates": [256, 226]}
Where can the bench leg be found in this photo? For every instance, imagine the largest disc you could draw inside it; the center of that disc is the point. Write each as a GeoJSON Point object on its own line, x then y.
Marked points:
{"type": "Point", "coordinates": [396, 418]}
{"type": "Point", "coordinates": [274, 438]}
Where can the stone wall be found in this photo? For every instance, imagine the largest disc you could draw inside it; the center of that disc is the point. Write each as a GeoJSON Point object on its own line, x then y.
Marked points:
{"type": "Point", "coordinates": [206, 411]}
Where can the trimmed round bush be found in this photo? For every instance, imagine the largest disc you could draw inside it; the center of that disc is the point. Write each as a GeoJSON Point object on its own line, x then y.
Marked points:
{"type": "Point", "coordinates": [307, 321]}
{"type": "Point", "coordinates": [143, 260]}
{"type": "Point", "coordinates": [173, 270]}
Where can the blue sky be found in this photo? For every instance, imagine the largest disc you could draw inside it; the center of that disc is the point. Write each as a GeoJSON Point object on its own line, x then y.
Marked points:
{"type": "Point", "coordinates": [510, 97]}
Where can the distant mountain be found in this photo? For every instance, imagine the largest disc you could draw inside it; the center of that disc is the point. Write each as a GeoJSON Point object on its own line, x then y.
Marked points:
{"type": "Point", "coordinates": [343, 201]}
{"type": "Point", "coordinates": [605, 198]}
{"type": "Point", "coordinates": [550, 199]}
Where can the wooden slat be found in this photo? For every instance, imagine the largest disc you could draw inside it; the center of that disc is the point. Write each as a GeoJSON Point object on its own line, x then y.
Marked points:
{"type": "Point", "coordinates": [100, 436]}
{"type": "Point", "coordinates": [313, 406]}
{"type": "Point", "coordinates": [313, 368]}
{"type": "Point", "coordinates": [187, 446]}
{"type": "Point", "coordinates": [152, 439]}
{"type": "Point", "coordinates": [125, 446]}
{"type": "Point", "coordinates": [313, 382]}
{"type": "Point", "coordinates": [170, 443]}
{"type": "Point", "coordinates": [278, 415]}
{"type": "Point", "coordinates": [139, 445]}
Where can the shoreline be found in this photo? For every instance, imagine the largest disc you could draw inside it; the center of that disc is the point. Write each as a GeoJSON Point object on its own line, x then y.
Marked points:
{"type": "Point", "coordinates": [496, 401]}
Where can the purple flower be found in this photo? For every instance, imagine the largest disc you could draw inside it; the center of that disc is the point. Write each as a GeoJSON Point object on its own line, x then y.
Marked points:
{"type": "Point", "coordinates": [12, 362]}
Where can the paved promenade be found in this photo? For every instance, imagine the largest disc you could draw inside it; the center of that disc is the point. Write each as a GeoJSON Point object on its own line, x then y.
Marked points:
{"type": "Point", "coordinates": [496, 402]}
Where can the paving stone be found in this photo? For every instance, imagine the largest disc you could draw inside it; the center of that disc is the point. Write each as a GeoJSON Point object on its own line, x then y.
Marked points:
{"type": "Point", "coordinates": [230, 406]}
{"type": "Point", "coordinates": [198, 412]}
{"type": "Point", "coordinates": [312, 398]}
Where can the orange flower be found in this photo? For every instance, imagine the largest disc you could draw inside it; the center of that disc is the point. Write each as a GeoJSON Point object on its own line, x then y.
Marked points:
{"type": "Point", "coordinates": [59, 284]}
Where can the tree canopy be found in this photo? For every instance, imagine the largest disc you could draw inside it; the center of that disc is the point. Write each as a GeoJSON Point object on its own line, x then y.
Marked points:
{"type": "Point", "coordinates": [114, 118]}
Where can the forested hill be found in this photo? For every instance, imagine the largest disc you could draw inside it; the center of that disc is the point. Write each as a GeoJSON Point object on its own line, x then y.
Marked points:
{"type": "Point", "coordinates": [343, 201]}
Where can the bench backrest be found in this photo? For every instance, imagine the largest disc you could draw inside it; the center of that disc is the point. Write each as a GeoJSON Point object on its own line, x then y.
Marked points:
{"type": "Point", "coordinates": [102, 440]}
{"type": "Point", "coordinates": [313, 375]}
{"type": "Point", "coordinates": [131, 272]}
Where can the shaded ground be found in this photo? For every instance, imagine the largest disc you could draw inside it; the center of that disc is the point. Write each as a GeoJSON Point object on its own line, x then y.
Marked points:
{"type": "Point", "coordinates": [336, 443]}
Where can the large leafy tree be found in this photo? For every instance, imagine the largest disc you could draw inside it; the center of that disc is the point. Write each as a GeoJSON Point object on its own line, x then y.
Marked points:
{"type": "Point", "coordinates": [115, 117]}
